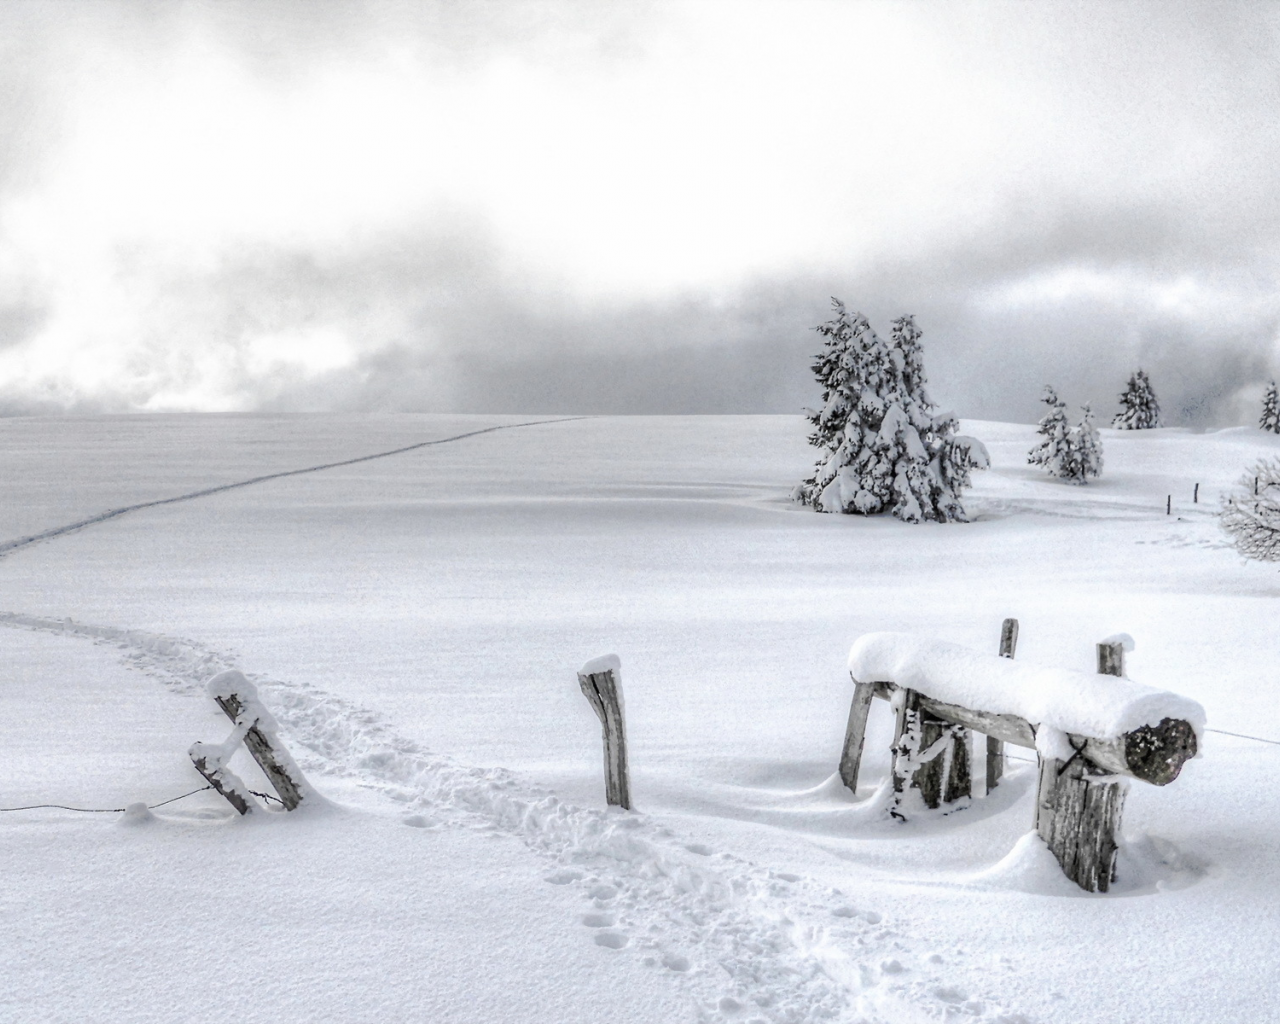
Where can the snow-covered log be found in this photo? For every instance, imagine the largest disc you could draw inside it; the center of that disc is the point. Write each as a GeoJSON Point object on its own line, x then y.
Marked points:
{"type": "Point", "coordinates": [601, 683]}
{"type": "Point", "coordinates": [1088, 731]}
{"type": "Point", "coordinates": [1126, 727]}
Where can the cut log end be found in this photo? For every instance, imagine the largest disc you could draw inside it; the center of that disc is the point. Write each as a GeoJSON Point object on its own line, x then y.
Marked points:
{"type": "Point", "coordinates": [1156, 753]}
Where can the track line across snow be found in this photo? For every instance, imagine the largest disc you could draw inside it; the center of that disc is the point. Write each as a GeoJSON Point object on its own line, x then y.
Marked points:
{"type": "Point", "coordinates": [22, 542]}
{"type": "Point", "coordinates": [744, 941]}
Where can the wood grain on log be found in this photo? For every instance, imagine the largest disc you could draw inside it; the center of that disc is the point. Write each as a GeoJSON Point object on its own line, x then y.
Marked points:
{"type": "Point", "coordinates": [1078, 817]}
{"type": "Point", "coordinates": [1152, 753]}
{"type": "Point", "coordinates": [602, 690]}
{"type": "Point", "coordinates": [260, 747]}
{"type": "Point", "coordinates": [213, 776]}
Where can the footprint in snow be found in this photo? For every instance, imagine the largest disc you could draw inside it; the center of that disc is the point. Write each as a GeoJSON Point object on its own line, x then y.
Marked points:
{"type": "Point", "coordinates": [611, 940]}
{"type": "Point", "coordinates": [598, 920]}
{"type": "Point", "coordinates": [701, 849]}
{"type": "Point", "coordinates": [675, 962]}
{"type": "Point", "coordinates": [603, 892]}
{"type": "Point", "coordinates": [564, 876]}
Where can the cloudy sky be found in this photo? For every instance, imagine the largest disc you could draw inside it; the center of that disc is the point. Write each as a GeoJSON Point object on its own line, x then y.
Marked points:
{"type": "Point", "coordinates": [632, 207]}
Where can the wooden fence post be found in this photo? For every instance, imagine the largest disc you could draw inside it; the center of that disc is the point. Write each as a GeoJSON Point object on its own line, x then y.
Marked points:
{"type": "Point", "coordinates": [601, 683]}
{"type": "Point", "coordinates": [855, 734]}
{"type": "Point", "coordinates": [1078, 806]}
{"type": "Point", "coordinates": [233, 706]}
{"type": "Point", "coordinates": [995, 747]}
{"type": "Point", "coordinates": [254, 726]}
{"type": "Point", "coordinates": [929, 754]}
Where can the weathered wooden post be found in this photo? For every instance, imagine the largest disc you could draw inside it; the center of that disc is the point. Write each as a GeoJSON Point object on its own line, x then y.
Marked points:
{"type": "Point", "coordinates": [255, 727]}
{"type": "Point", "coordinates": [1078, 804]}
{"type": "Point", "coordinates": [855, 734]}
{"type": "Point", "coordinates": [601, 683]}
{"type": "Point", "coordinates": [995, 747]}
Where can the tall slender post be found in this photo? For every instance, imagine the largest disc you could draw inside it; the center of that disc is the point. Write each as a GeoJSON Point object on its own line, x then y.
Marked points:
{"type": "Point", "coordinates": [995, 747]}
{"type": "Point", "coordinates": [855, 734]}
{"type": "Point", "coordinates": [601, 683]}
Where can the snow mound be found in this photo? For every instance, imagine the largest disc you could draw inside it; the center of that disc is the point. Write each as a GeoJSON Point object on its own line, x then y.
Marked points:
{"type": "Point", "coordinates": [136, 814]}
{"type": "Point", "coordinates": [1099, 706]}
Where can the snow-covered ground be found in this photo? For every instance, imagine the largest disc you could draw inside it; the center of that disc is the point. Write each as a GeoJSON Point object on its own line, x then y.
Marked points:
{"type": "Point", "coordinates": [415, 624]}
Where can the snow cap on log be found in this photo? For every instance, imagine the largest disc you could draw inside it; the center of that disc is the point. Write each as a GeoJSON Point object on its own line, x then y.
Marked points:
{"type": "Point", "coordinates": [604, 663]}
{"type": "Point", "coordinates": [229, 683]}
{"type": "Point", "coordinates": [1082, 703]}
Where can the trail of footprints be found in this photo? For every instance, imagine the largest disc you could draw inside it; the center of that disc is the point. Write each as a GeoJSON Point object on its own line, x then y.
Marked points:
{"type": "Point", "coordinates": [748, 944]}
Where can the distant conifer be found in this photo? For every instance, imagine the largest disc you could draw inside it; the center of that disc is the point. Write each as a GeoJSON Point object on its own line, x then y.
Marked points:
{"type": "Point", "coordinates": [1070, 453]}
{"type": "Point", "coordinates": [1270, 410]}
{"type": "Point", "coordinates": [1140, 409]}
{"type": "Point", "coordinates": [884, 446]}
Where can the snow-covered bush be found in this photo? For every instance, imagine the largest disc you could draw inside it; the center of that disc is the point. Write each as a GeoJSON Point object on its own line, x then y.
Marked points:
{"type": "Point", "coordinates": [1140, 409]}
{"type": "Point", "coordinates": [885, 448]}
{"type": "Point", "coordinates": [1070, 453]}
{"type": "Point", "coordinates": [1270, 410]}
{"type": "Point", "coordinates": [1251, 513]}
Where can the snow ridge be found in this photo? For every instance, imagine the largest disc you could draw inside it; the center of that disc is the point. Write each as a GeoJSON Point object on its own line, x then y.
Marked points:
{"type": "Point", "coordinates": [102, 517]}
{"type": "Point", "coordinates": [747, 942]}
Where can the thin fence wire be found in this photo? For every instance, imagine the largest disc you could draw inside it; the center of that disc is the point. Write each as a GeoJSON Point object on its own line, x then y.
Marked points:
{"type": "Point", "coordinates": [103, 810]}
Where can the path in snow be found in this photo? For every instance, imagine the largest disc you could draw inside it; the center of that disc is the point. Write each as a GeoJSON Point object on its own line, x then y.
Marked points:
{"type": "Point", "coordinates": [21, 542]}
{"type": "Point", "coordinates": [746, 942]}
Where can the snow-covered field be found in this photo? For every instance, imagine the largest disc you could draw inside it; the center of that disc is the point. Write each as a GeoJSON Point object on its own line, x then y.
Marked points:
{"type": "Point", "coordinates": [415, 624]}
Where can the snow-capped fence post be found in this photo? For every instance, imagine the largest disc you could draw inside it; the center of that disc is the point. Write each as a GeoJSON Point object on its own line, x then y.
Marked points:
{"type": "Point", "coordinates": [1078, 804]}
{"type": "Point", "coordinates": [601, 683]}
{"type": "Point", "coordinates": [1091, 735]}
{"type": "Point", "coordinates": [995, 747]}
{"type": "Point", "coordinates": [254, 726]}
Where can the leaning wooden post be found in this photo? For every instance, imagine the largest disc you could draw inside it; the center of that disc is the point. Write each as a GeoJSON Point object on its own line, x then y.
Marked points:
{"type": "Point", "coordinates": [1078, 805]}
{"type": "Point", "coordinates": [855, 734]}
{"type": "Point", "coordinates": [255, 727]}
{"type": "Point", "coordinates": [601, 682]}
{"type": "Point", "coordinates": [995, 747]}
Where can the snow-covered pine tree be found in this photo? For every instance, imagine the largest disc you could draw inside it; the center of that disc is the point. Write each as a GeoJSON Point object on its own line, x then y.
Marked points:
{"type": "Point", "coordinates": [1070, 453]}
{"type": "Point", "coordinates": [1140, 409]}
{"type": "Point", "coordinates": [1088, 446]}
{"type": "Point", "coordinates": [1270, 410]}
{"type": "Point", "coordinates": [884, 448]}
{"type": "Point", "coordinates": [1054, 452]}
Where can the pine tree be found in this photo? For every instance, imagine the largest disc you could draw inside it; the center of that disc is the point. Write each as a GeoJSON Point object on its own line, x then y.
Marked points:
{"type": "Point", "coordinates": [1270, 410]}
{"type": "Point", "coordinates": [1140, 409]}
{"type": "Point", "coordinates": [1088, 445]}
{"type": "Point", "coordinates": [1070, 453]}
{"type": "Point", "coordinates": [1054, 451]}
{"type": "Point", "coordinates": [884, 448]}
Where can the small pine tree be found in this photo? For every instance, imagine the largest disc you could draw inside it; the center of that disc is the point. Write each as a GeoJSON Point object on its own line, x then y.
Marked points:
{"type": "Point", "coordinates": [1053, 452]}
{"type": "Point", "coordinates": [1140, 409]}
{"type": "Point", "coordinates": [1270, 410]}
{"type": "Point", "coordinates": [884, 449]}
{"type": "Point", "coordinates": [1070, 453]}
{"type": "Point", "coordinates": [1088, 445]}
{"type": "Point", "coordinates": [1251, 514]}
